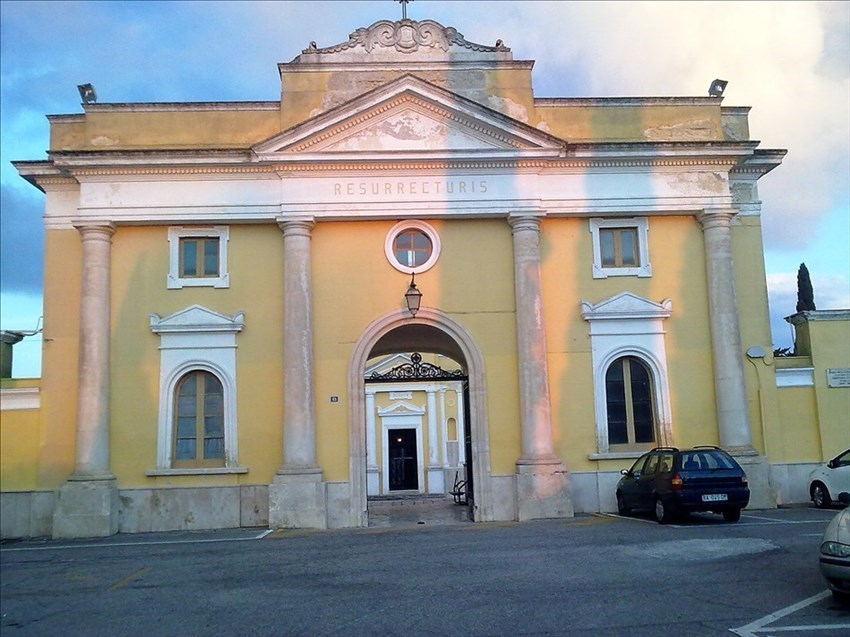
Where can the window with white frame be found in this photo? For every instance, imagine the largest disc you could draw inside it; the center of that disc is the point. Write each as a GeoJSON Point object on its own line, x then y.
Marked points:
{"type": "Point", "coordinates": [620, 247]}
{"type": "Point", "coordinates": [198, 257]}
{"type": "Point", "coordinates": [412, 246]}
{"type": "Point", "coordinates": [630, 405]}
{"type": "Point", "coordinates": [197, 427]}
{"type": "Point", "coordinates": [631, 392]}
{"type": "Point", "coordinates": [199, 421]}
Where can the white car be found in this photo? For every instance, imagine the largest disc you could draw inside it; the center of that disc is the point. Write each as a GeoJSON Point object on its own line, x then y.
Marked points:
{"type": "Point", "coordinates": [835, 553]}
{"type": "Point", "coordinates": [829, 480]}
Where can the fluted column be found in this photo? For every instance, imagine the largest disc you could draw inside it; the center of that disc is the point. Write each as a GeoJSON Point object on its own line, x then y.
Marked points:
{"type": "Point", "coordinates": [542, 482]}
{"type": "Point", "coordinates": [87, 504]}
{"type": "Point", "coordinates": [727, 353]}
{"type": "Point", "coordinates": [297, 496]}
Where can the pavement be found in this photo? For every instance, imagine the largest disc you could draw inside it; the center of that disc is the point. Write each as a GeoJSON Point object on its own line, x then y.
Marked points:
{"type": "Point", "coordinates": [589, 575]}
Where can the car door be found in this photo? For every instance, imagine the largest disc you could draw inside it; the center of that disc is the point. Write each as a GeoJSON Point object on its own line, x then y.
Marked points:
{"type": "Point", "coordinates": [837, 475]}
{"type": "Point", "coordinates": [628, 484]}
{"type": "Point", "coordinates": [645, 482]}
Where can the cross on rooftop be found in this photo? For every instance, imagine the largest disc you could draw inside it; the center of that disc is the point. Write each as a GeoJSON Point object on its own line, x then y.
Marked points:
{"type": "Point", "coordinates": [403, 4]}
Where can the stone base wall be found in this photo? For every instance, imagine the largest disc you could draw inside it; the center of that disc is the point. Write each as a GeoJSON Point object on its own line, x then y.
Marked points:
{"type": "Point", "coordinates": [26, 514]}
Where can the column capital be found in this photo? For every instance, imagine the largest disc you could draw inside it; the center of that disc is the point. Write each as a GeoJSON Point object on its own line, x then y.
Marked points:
{"type": "Point", "coordinates": [92, 228]}
{"type": "Point", "coordinates": [716, 217]}
{"type": "Point", "coordinates": [526, 220]}
{"type": "Point", "coordinates": [296, 225]}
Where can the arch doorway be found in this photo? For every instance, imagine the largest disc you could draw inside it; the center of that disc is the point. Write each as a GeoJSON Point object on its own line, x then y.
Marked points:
{"type": "Point", "coordinates": [388, 440]}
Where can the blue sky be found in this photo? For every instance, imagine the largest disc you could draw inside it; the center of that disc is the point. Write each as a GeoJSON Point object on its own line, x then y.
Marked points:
{"type": "Point", "coordinates": [789, 61]}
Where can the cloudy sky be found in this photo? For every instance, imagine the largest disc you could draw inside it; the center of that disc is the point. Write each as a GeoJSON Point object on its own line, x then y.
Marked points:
{"type": "Point", "coordinates": [789, 61]}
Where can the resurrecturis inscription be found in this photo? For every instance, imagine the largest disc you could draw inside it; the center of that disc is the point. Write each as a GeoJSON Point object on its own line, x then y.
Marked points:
{"type": "Point", "coordinates": [404, 187]}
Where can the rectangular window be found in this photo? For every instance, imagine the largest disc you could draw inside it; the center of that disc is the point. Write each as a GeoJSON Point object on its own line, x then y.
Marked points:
{"type": "Point", "coordinates": [198, 257]}
{"type": "Point", "coordinates": [620, 247]}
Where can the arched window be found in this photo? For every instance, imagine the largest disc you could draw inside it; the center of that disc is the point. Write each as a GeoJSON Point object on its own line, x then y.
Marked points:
{"type": "Point", "coordinates": [199, 421]}
{"type": "Point", "coordinates": [631, 412]}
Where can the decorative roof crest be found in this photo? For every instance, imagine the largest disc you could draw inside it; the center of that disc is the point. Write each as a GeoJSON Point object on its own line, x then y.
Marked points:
{"type": "Point", "coordinates": [406, 36]}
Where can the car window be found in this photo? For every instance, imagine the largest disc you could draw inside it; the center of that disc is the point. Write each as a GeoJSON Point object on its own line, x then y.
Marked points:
{"type": "Point", "coordinates": [637, 467]}
{"type": "Point", "coordinates": [843, 460]}
{"type": "Point", "coordinates": [715, 460]}
{"type": "Point", "coordinates": [652, 464]}
{"type": "Point", "coordinates": [691, 461]}
{"type": "Point", "coordinates": [666, 463]}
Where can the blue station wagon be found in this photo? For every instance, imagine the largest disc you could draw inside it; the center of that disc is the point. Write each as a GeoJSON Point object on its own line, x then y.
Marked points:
{"type": "Point", "coordinates": [671, 482]}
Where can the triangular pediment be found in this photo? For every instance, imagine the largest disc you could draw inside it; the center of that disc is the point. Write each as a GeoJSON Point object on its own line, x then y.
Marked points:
{"type": "Point", "coordinates": [409, 118]}
{"type": "Point", "coordinates": [197, 318]}
{"type": "Point", "coordinates": [401, 408]}
{"type": "Point", "coordinates": [626, 305]}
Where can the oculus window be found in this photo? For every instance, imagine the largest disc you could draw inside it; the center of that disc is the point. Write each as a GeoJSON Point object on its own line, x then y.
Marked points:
{"type": "Point", "coordinates": [412, 246]}
{"type": "Point", "coordinates": [620, 247]}
{"type": "Point", "coordinates": [198, 257]}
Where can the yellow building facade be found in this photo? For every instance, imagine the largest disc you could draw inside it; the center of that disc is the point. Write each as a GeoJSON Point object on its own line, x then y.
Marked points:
{"type": "Point", "coordinates": [228, 341]}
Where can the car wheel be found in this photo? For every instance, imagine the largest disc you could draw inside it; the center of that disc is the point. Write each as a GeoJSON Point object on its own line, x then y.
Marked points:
{"type": "Point", "coordinates": [820, 495]}
{"type": "Point", "coordinates": [662, 512]}
{"type": "Point", "coordinates": [732, 515]}
{"type": "Point", "coordinates": [622, 507]}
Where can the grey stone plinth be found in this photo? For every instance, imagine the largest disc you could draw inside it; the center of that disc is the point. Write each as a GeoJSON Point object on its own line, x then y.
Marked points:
{"type": "Point", "coordinates": [762, 493]}
{"type": "Point", "coordinates": [543, 491]}
{"type": "Point", "coordinates": [86, 508]}
{"type": "Point", "coordinates": [298, 501]}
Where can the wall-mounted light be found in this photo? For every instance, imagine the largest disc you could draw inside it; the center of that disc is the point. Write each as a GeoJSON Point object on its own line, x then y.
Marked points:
{"type": "Point", "coordinates": [87, 93]}
{"type": "Point", "coordinates": [717, 87]}
{"type": "Point", "coordinates": [413, 297]}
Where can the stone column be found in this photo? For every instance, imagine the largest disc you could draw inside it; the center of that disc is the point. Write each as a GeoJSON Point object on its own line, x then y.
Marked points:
{"type": "Point", "coordinates": [436, 484]}
{"type": "Point", "coordinates": [461, 425]}
{"type": "Point", "coordinates": [87, 504]}
{"type": "Point", "coordinates": [542, 481]}
{"type": "Point", "coordinates": [372, 482]}
{"type": "Point", "coordinates": [733, 422]}
{"type": "Point", "coordinates": [297, 496]}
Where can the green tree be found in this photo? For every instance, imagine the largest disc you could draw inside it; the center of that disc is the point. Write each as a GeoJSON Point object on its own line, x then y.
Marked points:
{"type": "Point", "coordinates": [805, 292]}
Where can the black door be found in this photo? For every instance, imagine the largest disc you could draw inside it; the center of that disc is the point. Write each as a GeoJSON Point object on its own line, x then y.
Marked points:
{"type": "Point", "coordinates": [403, 468]}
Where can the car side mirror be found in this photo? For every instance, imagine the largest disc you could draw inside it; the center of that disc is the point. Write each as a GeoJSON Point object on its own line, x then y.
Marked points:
{"type": "Point", "coordinates": [625, 472]}
{"type": "Point", "coordinates": [831, 464]}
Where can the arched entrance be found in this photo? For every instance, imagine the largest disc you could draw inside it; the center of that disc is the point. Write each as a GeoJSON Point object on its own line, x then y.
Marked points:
{"type": "Point", "coordinates": [430, 331]}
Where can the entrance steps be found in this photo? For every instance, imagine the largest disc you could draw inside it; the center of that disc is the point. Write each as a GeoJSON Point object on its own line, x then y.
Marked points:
{"type": "Point", "coordinates": [403, 509]}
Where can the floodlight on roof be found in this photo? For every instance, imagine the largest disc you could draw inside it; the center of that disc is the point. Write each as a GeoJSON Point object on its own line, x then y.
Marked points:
{"type": "Point", "coordinates": [717, 87]}
{"type": "Point", "coordinates": [87, 93]}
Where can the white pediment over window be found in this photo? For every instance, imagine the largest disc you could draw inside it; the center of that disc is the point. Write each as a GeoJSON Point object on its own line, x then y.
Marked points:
{"type": "Point", "coordinates": [626, 305]}
{"type": "Point", "coordinates": [409, 117]}
{"type": "Point", "coordinates": [401, 408]}
{"type": "Point", "coordinates": [197, 318]}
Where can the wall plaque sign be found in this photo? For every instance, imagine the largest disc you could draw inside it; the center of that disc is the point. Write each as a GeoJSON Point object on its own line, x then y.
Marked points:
{"type": "Point", "coordinates": [838, 377]}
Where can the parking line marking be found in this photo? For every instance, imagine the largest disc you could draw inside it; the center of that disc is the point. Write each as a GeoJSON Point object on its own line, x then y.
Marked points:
{"type": "Point", "coordinates": [129, 578]}
{"type": "Point", "coordinates": [752, 628]}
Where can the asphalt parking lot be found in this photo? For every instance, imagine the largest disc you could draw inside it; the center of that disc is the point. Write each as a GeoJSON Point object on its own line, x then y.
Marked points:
{"type": "Point", "coordinates": [591, 575]}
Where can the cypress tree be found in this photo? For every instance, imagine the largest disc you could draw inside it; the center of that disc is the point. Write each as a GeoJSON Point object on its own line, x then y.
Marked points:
{"type": "Point", "coordinates": [805, 292]}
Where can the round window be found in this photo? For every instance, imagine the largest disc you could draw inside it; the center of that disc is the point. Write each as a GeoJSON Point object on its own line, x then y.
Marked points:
{"type": "Point", "coordinates": [412, 246]}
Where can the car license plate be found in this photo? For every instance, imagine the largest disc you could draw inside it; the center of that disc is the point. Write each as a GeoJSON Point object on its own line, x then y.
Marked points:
{"type": "Point", "coordinates": [715, 497]}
